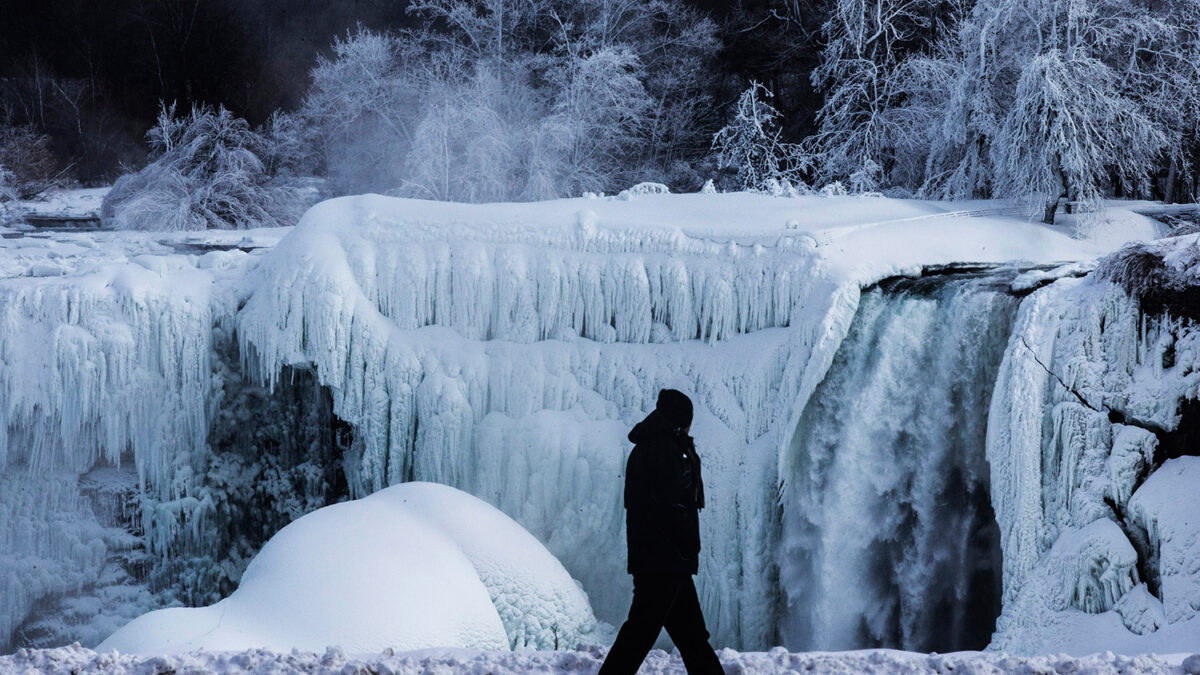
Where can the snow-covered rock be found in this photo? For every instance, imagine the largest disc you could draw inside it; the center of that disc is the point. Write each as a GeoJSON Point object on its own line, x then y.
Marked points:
{"type": "Point", "coordinates": [1088, 388]}
{"type": "Point", "coordinates": [1165, 507]}
{"type": "Point", "coordinates": [410, 567]}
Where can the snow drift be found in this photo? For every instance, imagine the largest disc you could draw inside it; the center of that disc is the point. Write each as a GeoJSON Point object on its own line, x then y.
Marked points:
{"type": "Point", "coordinates": [410, 567]}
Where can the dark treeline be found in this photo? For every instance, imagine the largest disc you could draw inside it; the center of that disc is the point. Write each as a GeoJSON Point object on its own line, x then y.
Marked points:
{"type": "Point", "coordinates": [91, 74]}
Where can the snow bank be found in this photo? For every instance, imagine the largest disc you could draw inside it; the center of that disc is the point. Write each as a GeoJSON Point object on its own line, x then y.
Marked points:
{"type": "Point", "coordinates": [585, 660]}
{"type": "Point", "coordinates": [414, 566]}
{"type": "Point", "coordinates": [1166, 509]}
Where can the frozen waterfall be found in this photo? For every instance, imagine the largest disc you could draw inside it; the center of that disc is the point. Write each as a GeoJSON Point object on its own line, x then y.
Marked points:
{"type": "Point", "coordinates": [888, 535]}
{"type": "Point", "coordinates": [888, 467]}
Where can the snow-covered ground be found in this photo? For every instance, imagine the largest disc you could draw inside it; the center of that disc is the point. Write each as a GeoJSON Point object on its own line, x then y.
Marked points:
{"type": "Point", "coordinates": [585, 661]}
{"type": "Point", "coordinates": [504, 349]}
{"type": "Point", "coordinates": [56, 207]}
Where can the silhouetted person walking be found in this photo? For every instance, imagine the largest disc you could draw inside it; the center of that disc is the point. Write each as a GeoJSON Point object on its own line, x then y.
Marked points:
{"type": "Point", "coordinates": [663, 496]}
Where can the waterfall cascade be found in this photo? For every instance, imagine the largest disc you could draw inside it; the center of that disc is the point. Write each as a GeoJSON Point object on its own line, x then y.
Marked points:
{"type": "Point", "coordinates": [888, 537]}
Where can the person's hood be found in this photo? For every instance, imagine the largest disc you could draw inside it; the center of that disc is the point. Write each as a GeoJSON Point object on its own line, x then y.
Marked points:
{"type": "Point", "coordinates": [675, 408]}
{"type": "Point", "coordinates": [654, 425]}
{"type": "Point", "coordinates": [672, 411]}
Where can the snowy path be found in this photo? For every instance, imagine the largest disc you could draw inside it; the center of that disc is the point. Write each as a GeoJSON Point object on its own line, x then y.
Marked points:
{"type": "Point", "coordinates": [586, 660]}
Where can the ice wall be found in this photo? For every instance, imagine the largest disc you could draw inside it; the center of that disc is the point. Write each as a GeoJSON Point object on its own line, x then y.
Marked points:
{"type": "Point", "coordinates": [511, 362]}
{"type": "Point", "coordinates": [1088, 389]}
{"type": "Point", "coordinates": [92, 368]}
{"type": "Point", "coordinates": [507, 349]}
{"type": "Point", "coordinates": [106, 360]}
{"type": "Point", "coordinates": [888, 535]}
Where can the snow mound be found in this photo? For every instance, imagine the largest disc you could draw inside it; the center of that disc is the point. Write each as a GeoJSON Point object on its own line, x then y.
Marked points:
{"type": "Point", "coordinates": [1166, 509]}
{"type": "Point", "coordinates": [539, 603]}
{"type": "Point", "coordinates": [413, 566]}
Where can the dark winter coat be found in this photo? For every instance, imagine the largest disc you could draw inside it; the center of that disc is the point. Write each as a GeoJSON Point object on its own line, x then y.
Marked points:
{"type": "Point", "coordinates": [663, 495]}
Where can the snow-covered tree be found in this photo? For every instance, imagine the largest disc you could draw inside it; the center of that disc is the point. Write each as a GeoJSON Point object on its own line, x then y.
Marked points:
{"type": "Point", "coordinates": [1162, 53]}
{"type": "Point", "coordinates": [8, 185]}
{"type": "Point", "coordinates": [674, 45]}
{"type": "Point", "coordinates": [863, 122]}
{"type": "Point", "coordinates": [32, 166]}
{"type": "Point", "coordinates": [1053, 97]}
{"type": "Point", "coordinates": [750, 144]}
{"type": "Point", "coordinates": [516, 99]}
{"type": "Point", "coordinates": [363, 104]}
{"type": "Point", "coordinates": [288, 149]}
{"type": "Point", "coordinates": [596, 120]}
{"type": "Point", "coordinates": [206, 172]}
{"type": "Point", "coordinates": [8, 193]}
{"type": "Point", "coordinates": [470, 144]}
{"type": "Point", "coordinates": [1070, 129]}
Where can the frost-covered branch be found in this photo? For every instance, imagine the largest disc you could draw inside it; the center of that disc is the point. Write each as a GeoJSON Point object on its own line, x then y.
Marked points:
{"type": "Point", "coordinates": [207, 172]}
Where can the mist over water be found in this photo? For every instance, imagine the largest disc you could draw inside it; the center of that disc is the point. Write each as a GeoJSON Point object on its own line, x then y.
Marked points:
{"type": "Point", "coordinates": [888, 537]}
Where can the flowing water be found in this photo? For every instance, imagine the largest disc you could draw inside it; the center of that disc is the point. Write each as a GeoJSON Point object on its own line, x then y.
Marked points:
{"type": "Point", "coordinates": [888, 537]}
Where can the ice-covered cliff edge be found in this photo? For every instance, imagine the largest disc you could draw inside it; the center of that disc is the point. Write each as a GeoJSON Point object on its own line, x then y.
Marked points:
{"type": "Point", "coordinates": [503, 349]}
{"type": "Point", "coordinates": [1095, 397]}
{"type": "Point", "coordinates": [105, 346]}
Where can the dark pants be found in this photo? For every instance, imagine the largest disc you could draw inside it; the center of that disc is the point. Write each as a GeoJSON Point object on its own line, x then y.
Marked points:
{"type": "Point", "coordinates": [662, 601]}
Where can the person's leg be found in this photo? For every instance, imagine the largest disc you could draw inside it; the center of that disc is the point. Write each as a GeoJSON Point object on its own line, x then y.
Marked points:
{"type": "Point", "coordinates": [652, 599]}
{"type": "Point", "coordinates": [685, 625]}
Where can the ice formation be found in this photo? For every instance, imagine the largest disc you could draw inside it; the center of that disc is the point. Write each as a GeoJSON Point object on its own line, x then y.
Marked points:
{"type": "Point", "coordinates": [104, 359]}
{"type": "Point", "coordinates": [505, 350]}
{"type": "Point", "coordinates": [92, 366]}
{"type": "Point", "coordinates": [512, 363]}
{"type": "Point", "coordinates": [1169, 524]}
{"type": "Point", "coordinates": [507, 356]}
{"type": "Point", "coordinates": [1088, 388]}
